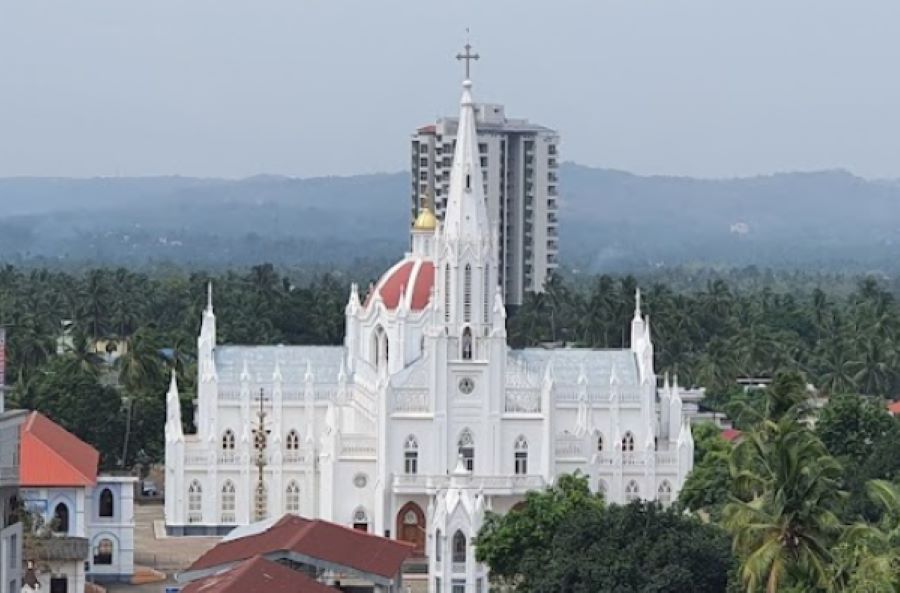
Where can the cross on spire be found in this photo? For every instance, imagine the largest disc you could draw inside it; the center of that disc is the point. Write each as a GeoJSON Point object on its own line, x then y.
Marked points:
{"type": "Point", "coordinates": [468, 56]}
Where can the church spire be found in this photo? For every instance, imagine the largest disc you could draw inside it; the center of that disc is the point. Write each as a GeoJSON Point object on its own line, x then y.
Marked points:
{"type": "Point", "coordinates": [466, 216]}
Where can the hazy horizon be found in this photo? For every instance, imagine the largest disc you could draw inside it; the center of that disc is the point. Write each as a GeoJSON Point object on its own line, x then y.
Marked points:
{"type": "Point", "coordinates": [220, 88]}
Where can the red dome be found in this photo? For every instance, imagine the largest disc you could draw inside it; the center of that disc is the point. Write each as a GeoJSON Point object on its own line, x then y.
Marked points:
{"type": "Point", "coordinates": [411, 278]}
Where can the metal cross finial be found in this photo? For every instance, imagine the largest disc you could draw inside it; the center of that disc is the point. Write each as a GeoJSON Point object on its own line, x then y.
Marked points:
{"type": "Point", "coordinates": [468, 56]}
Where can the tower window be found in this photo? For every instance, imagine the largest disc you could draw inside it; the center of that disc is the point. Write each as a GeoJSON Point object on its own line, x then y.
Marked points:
{"type": "Point", "coordinates": [411, 456]}
{"type": "Point", "coordinates": [467, 344]}
{"type": "Point", "coordinates": [521, 456]}
{"type": "Point", "coordinates": [468, 182]}
{"type": "Point", "coordinates": [467, 294]}
{"type": "Point", "coordinates": [466, 446]}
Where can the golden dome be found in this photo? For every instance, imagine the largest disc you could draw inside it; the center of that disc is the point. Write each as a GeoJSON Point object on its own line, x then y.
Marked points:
{"type": "Point", "coordinates": [425, 221]}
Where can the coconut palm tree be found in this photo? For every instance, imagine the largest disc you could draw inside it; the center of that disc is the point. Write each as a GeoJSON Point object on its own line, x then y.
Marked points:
{"type": "Point", "coordinates": [783, 522]}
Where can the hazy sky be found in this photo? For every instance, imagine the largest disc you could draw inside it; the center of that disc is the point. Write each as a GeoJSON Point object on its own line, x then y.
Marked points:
{"type": "Point", "coordinates": [711, 88]}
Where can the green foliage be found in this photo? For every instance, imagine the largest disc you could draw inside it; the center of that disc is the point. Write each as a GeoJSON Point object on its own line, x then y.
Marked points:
{"type": "Point", "coordinates": [786, 488]}
{"type": "Point", "coordinates": [860, 433]}
{"type": "Point", "coordinates": [708, 486]}
{"type": "Point", "coordinates": [713, 334]}
{"type": "Point", "coordinates": [564, 539]}
{"type": "Point", "coordinates": [505, 540]}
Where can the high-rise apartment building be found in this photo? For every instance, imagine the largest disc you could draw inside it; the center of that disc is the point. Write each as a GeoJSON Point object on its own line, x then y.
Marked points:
{"type": "Point", "coordinates": [519, 162]}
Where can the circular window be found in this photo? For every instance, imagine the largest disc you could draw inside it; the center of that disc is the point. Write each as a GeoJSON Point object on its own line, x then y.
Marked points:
{"type": "Point", "coordinates": [360, 480]}
{"type": "Point", "coordinates": [410, 518]}
{"type": "Point", "coordinates": [466, 385]}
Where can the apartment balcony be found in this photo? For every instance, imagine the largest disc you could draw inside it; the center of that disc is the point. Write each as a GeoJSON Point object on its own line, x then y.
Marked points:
{"type": "Point", "coordinates": [552, 163]}
{"type": "Point", "coordinates": [62, 548]}
{"type": "Point", "coordinates": [551, 149]}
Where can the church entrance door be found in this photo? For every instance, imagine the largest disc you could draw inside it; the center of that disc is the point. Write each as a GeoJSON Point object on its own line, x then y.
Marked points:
{"type": "Point", "coordinates": [411, 526]}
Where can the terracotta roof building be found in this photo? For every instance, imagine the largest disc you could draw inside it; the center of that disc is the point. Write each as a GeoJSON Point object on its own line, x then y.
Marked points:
{"type": "Point", "coordinates": [53, 456]}
{"type": "Point", "coordinates": [320, 546]}
{"type": "Point", "coordinates": [92, 515]}
{"type": "Point", "coordinates": [258, 575]}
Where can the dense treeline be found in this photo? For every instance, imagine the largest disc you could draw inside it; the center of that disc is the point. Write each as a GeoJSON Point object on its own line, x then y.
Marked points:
{"type": "Point", "coordinates": [713, 335]}
{"type": "Point", "coordinates": [845, 341]}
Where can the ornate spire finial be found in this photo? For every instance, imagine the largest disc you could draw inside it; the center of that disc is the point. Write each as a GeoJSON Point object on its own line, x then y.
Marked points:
{"type": "Point", "coordinates": [468, 56]}
{"type": "Point", "coordinates": [637, 303]}
{"type": "Point", "coordinates": [209, 305]}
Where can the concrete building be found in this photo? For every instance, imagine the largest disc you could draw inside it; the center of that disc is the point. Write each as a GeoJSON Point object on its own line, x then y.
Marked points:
{"type": "Point", "coordinates": [519, 162]}
{"type": "Point", "coordinates": [10, 525]}
{"type": "Point", "coordinates": [84, 522]}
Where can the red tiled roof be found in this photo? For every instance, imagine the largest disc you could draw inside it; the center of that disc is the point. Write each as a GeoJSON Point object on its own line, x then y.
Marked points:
{"type": "Point", "coordinates": [428, 129]}
{"type": "Point", "coordinates": [53, 456]}
{"type": "Point", "coordinates": [258, 575]}
{"type": "Point", "coordinates": [731, 434]}
{"type": "Point", "coordinates": [316, 539]}
{"type": "Point", "coordinates": [894, 408]}
{"type": "Point", "coordinates": [406, 279]}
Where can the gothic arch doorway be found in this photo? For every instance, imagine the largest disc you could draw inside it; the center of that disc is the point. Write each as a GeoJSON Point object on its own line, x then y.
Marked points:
{"type": "Point", "coordinates": [411, 526]}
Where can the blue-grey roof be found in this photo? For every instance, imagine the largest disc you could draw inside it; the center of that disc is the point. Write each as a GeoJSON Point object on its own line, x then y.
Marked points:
{"type": "Point", "coordinates": [567, 364]}
{"type": "Point", "coordinates": [324, 361]}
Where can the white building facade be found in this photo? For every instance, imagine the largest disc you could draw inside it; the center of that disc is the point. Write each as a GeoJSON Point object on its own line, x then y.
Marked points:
{"type": "Point", "coordinates": [424, 418]}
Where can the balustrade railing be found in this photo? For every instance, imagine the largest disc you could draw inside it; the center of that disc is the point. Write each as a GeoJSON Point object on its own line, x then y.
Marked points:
{"type": "Point", "coordinates": [357, 446]}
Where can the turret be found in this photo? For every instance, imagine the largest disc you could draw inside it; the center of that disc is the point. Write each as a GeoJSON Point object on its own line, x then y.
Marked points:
{"type": "Point", "coordinates": [675, 410]}
{"type": "Point", "coordinates": [637, 324]}
{"type": "Point", "coordinates": [173, 428]}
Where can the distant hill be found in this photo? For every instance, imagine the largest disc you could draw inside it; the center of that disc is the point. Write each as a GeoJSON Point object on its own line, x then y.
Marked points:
{"type": "Point", "coordinates": [610, 220]}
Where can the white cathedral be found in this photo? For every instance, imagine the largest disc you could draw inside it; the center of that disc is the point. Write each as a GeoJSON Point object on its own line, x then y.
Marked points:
{"type": "Point", "coordinates": [425, 418]}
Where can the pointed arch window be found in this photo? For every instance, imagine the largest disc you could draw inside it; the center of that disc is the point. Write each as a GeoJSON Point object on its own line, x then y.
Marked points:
{"type": "Point", "coordinates": [599, 443]}
{"type": "Point", "coordinates": [228, 502]}
{"type": "Point", "coordinates": [628, 442]}
{"type": "Point", "coordinates": [61, 518]}
{"type": "Point", "coordinates": [467, 294]}
{"type": "Point", "coordinates": [438, 544]}
{"type": "Point", "coordinates": [228, 440]}
{"type": "Point", "coordinates": [467, 344]}
{"type": "Point", "coordinates": [632, 491]}
{"type": "Point", "coordinates": [292, 446]}
{"type": "Point", "coordinates": [521, 456]}
{"type": "Point", "coordinates": [292, 498]}
{"type": "Point", "coordinates": [602, 488]}
{"type": "Point", "coordinates": [447, 292]}
{"type": "Point", "coordinates": [107, 503]}
{"type": "Point", "coordinates": [411, 456]}
{"type": "Point", "coordinates": [379, 348]}
{"type": "Point", "coordinates": [664, 493]}
{"type": "Point", "coordinates": [466, 446]}
{"type": "Point", "coordinates": [195, 502]}
{"type": "Point", "coordinates": [459, 548]}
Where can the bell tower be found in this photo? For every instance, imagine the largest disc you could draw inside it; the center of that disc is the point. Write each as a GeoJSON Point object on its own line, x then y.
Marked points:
{"type": "Point", "coordinates": [466, 247]}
